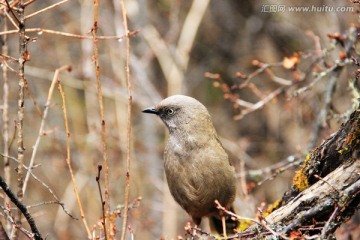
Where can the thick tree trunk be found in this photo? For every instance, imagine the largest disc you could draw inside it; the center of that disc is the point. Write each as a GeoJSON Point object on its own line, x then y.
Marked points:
{"type": "Point", "coordinates": [325, 191]}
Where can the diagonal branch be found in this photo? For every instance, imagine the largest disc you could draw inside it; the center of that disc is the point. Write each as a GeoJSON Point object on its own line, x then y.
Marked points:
{"type": "Point", "coordinates": [12, 12]}
{"type": "Point", "coordinates": [42, 124]}
{"type": "Point", "coordinates": [22, 208]}
{"type": "Point", "coordinates": [46, 9]}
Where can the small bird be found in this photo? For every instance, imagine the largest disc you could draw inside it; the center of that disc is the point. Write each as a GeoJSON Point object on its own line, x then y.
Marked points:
{"type": "Point", "coordinates": [197, 168]}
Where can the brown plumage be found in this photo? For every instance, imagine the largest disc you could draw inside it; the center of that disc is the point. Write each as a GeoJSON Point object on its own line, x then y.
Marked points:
{"type": "Point", "coordinates": [197, 167]}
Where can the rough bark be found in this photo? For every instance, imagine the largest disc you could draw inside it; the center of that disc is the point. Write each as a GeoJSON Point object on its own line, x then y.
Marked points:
{"type": "Point", "coordinates": [325, 191]}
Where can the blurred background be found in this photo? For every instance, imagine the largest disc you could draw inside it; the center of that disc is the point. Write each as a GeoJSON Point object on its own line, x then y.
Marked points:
{"type": "Point", "coordinates": [176, 46]}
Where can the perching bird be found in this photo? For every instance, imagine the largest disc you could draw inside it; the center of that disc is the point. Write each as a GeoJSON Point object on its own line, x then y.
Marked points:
{"type": "Point", "coordinates": [196, 165]}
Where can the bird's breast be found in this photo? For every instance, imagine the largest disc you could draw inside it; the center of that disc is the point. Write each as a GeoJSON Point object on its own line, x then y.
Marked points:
{"type": "Point", "coordinates": [181, 144]}
{"type": "Point", "coordinates": [199, 174]}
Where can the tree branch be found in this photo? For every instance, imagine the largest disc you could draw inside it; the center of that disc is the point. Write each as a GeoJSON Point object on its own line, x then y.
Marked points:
{"type": "Point", "coordinates": [326, 190]}
{"type": "Point", "coordinates": [22, 208]}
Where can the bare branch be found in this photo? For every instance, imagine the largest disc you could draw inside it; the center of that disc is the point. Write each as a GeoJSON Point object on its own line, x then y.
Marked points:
{"type": "Point", "coordinates": [105, 164]}
{"type": "Point", "coordinates": [57, 200]}
{"type": "Point", "coordinates": [23, 57]}
{"type": "Point", "coordinates": [129, 128]}
{"type": "Point", "coordinates": [22, 208]}
{"type": "Point", "coordinates": [45, 9]}
{"type": "Point", "coordinates": [65, 34]}
{"type": "Point", "coordinates": [42, 124]}
{"type": "Point", "coordinates": [68, 160]}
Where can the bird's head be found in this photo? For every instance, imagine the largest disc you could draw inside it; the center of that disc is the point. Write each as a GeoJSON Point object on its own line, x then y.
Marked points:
{"type": "Point", "coordinates": [180, 111]}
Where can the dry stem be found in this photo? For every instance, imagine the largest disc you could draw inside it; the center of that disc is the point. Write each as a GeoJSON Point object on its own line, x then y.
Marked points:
{"type": "Point", "coordinates": [128, 151]}
{"type": "Point", "coordinates": [19, 122]}
{"type": "Point", "coordinates": [103, 125]}
{"type": "Point", "coordinates": [5, 116]}
{"type": "Point", "coordinates": [68, 160]}
{"type": "Point", "coordinates": [101, 198]}
{"type": "Point", "coordinates": [45, 9]}
{"type": "Point", "coordinates": [22, 208]}
{"type": "Point", "coordinates": [259, 222]}
{"type": "Point", "coordinates": [65, 34]}
{"type": "Point", "coordinates": [57, 200]}
{"type": "Point", "coordinates": [42, 124]}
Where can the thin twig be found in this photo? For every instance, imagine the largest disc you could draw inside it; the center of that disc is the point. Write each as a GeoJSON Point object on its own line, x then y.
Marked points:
{"type": "Point", "coordinates": [12, 221]}
{"type": "Point", "coordinates": [330, 88]}
{"type": "Point", "coordinates": [57, 200]}
{"type": "Point", "coordinates": [102, 116]}
{"type": "Point", "coordinates": [261, 69]}
{"type": "Point", "coordinates": [40, 31]}
{"type": "Point", "coordinates": [36, 105]}
{"type": "Point", "coordinates": [46, 9]}
{"type": "Point", "coordinates": [322, 116]}
{"type": "Point", "coordinates": [68, 161]}
{"type": "Point", "coordinates": [275, 169]}
{"type": "Point", "coordinates": [42, 124]}
{"type": "Point", "coordinates": [7, 66]}
{"type": "Point", "coordinates": [325, 229]}
{"type": "Point", "coordinates": [12, 12]}
{"type": "Point", "coordinates": [12, 22]}
{"type": "Point", "coordinates": [309, 214]}
{"type": "Point", "coordinates": [22, 208]}
{"type": "Point", "coordinates": [317, 79]}
{"type": "Point", "coordinates": [218, 205]}
{"type": "Point", "coordinates": [29, 2]}
{"type": "Point", "coordinates": [4, 55]}
{"type": "Point", "coordinates": [260, 103]}
{"type": "Point", "coordinates": [101, 199]}
{"type": "Point", "coordinates": [128, 150]}
{"type": "Point", "coordinates": [322, 179]}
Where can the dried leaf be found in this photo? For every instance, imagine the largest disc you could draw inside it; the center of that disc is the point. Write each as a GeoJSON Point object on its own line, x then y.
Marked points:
{"type": "Point", "coordinates": [295, 235]}
{"type": "Point", "coordinates": [290, 62]}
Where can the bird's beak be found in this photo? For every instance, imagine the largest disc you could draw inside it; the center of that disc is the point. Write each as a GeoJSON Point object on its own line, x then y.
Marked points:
{"type": "Point", "coordinates": [150, 110]}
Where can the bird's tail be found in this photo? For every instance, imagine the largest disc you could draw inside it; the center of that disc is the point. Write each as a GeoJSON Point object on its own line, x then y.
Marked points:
{"type": "Point", "coordinates": [216, 224]}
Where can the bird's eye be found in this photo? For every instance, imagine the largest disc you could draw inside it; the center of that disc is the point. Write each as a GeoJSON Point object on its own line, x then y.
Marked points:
{"type": "Point", "coordinates": [170, 111]}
